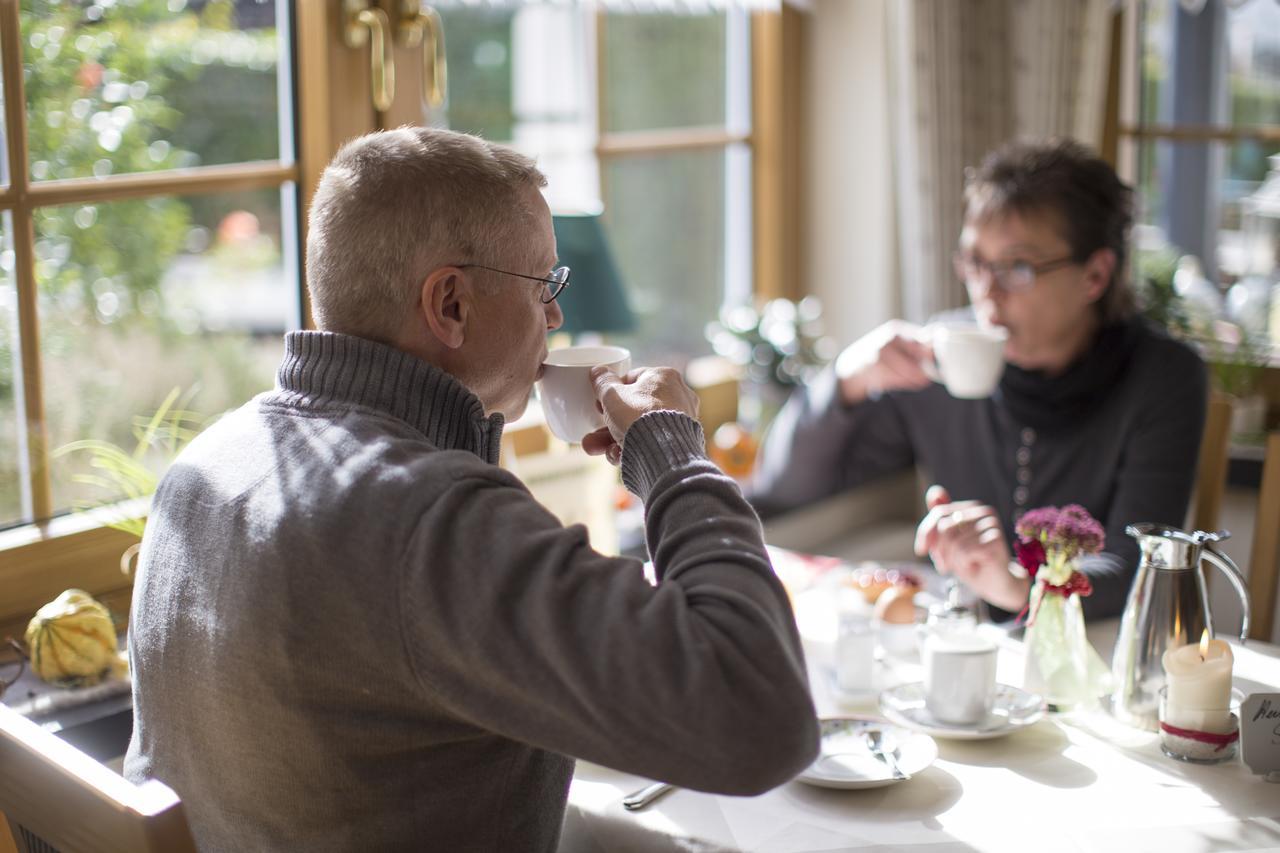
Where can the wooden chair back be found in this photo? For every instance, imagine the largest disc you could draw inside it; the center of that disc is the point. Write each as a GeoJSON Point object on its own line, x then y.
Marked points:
{"type": "Point", "coordinates": [1211, 469]}
{"type": "Point", "coordinates": [56, 798]}
{"type": "Point", "coordinates": [1264, 555]}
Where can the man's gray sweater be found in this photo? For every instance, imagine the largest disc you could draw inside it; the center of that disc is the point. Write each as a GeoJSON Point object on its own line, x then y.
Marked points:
{"type": "Point", "coordinates": [352, 630]}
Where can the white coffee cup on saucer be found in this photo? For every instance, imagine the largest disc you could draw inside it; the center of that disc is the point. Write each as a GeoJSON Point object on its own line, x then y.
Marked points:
{"type": "Point", "coordinates": [959, 677]}
{"type": "Point", "coordinates": [970, 358]}
{"type": "Point", "coordinates": [568, 399]}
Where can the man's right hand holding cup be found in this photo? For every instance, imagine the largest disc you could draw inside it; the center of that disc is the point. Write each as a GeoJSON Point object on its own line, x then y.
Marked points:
{"type": "Point", "coordinates": [623, 400]}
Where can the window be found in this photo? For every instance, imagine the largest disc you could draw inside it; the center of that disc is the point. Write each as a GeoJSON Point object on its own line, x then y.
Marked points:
{"type": "Point", "coordinates": [1201, 123]}
{"type": "Point", "coordinates": [646, 112]}
{"type": "Point", "coordinates": [150, 227]}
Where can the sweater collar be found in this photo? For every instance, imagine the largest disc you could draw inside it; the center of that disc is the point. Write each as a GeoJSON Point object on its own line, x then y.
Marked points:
{"type": "Point", "coordinates": [327, 367]}
{"type": "Point", "coordinates": [1057, 402]}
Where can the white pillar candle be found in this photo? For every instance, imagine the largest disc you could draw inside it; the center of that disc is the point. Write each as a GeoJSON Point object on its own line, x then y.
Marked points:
{"type": "Point", "coordinates": [1198, 677]}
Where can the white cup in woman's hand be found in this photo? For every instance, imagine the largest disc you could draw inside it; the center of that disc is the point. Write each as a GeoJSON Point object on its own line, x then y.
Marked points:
{"type": "Point", "coordinates": [970, 358]}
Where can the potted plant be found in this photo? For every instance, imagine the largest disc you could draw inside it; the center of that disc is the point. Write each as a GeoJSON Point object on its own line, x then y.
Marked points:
{"type": "Point", "coordinates": [778, 348]}
{"type": "Point", "coordinates": [1237, 360]}
{"type": "Point", "coordinates": [1157, 298]}
{"type": "Point", "coordinates": [72, 641]}
{"type": "Point", "coordinates": [128, 478]}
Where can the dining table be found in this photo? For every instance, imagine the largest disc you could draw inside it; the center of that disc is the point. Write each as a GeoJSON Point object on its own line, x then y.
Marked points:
{"type": "Point", "coordinates": [1073, 780]}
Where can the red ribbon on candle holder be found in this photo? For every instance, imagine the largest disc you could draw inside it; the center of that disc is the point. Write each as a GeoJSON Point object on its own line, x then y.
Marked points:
{"type": "Point", "coordinates": [1219, 742]}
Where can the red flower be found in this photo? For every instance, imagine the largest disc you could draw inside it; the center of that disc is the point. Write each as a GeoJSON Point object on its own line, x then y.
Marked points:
{"type": "Point", "coordinates": [89, 75]}
{"type": "Point", "coordinates": [1030, 554]}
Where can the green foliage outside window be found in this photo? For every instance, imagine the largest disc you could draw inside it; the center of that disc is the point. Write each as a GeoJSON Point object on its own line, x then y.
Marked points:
{"type": "Point", "coordinates": [103, 94]}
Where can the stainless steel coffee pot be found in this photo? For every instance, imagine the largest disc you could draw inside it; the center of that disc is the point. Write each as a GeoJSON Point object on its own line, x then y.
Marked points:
{"type": "Point", "coordinates": [1168, 606]}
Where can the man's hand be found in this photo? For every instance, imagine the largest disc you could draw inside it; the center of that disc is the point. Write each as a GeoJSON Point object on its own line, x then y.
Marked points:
{"type": "Point", "coordinates": [891, 357]}
{"type": "Point", "coordinates": [965, 539]}
{"type": "Point", "coordinates": [625, 399]}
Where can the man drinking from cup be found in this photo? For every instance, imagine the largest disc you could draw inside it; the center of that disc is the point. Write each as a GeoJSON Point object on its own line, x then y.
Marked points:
{"type": "Point", "coordinates": [1092, 406]}
{"type": "Point", "coordinates": [352, 630]}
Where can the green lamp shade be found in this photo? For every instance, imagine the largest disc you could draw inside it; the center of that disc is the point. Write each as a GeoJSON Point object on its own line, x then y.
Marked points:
{"type": "Point", "coordinates": [594, 301]}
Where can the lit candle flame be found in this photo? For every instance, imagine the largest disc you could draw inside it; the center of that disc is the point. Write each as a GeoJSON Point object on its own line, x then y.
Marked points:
{"type": "Point", "coordinates": [1204, 644]}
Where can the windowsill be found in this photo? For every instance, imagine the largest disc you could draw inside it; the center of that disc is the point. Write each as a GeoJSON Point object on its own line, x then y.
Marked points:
{"type": "Point", "coordinates": [39, 561]}
{"type": "Point", "coordinates": [71, 524]}
{"type": "Point", "coordinates": [1227, 348]}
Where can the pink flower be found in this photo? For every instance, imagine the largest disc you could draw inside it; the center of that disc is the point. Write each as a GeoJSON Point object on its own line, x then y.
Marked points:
{"type": "Point", "coordinates": [1070, 530]}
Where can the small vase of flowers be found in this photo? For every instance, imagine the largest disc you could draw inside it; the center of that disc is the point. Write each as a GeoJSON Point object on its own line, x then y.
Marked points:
{"type": "Point", "coordinates": [1060, 665]}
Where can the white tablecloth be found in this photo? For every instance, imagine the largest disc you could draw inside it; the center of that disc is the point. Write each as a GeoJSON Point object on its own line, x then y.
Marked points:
{"type": "Point", "coordinates": [1078, 781]}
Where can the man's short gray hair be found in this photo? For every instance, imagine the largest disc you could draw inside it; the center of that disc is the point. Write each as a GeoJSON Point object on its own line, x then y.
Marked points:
{"type": "Point", "coordinates": [396, 204]}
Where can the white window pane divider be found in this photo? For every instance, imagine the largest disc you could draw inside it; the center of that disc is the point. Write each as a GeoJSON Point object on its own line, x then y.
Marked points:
{"type": "Point", "coordinates": [737, 161]}
{"type": "Point", "coordinates": [553, 100]}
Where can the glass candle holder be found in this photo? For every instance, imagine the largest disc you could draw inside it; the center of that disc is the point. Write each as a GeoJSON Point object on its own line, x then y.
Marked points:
{"type": "Point", "coordinates": [1200, 737]}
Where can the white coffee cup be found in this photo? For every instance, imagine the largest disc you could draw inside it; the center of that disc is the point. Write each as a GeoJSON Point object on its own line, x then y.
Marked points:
{"type": "Point", "coordinates": [568, 400]}
{"type": "Point", "coordinates": [970, 358]}
{"type": "Point", "coordinates": [959, 677]}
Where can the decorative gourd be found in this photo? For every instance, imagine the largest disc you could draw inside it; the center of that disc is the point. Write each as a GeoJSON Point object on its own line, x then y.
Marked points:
{"type": "Point", "coordinates": [72, 641]}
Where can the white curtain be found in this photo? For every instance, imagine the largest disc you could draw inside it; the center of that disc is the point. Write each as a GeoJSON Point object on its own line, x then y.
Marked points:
{"type": "Point", "coordinates": [967, 76]}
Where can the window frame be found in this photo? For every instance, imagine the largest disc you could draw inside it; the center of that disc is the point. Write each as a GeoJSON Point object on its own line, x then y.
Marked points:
{"type": "Point", "coordinates": [1130, 130]}
{"type": "Point", "coordinates": [612, 145]}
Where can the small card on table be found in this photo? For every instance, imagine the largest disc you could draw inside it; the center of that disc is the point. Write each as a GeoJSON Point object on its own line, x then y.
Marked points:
{"type": "Point", "coordinates": [1260, 734]}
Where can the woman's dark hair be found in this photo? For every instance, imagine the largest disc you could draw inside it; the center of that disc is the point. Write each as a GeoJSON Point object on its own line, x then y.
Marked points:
{"type": "Point", "coordinates": [1092, 207]}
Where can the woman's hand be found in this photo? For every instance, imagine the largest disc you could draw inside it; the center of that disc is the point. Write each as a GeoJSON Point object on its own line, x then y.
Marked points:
{"type": "Point", "coordinates": [965, 539]}
{"type": "Point", "coordinates": [891, 357]}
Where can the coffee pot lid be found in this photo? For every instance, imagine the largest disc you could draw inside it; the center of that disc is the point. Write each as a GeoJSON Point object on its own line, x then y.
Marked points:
{"type": "Point", "coordinates": [1166, 547]}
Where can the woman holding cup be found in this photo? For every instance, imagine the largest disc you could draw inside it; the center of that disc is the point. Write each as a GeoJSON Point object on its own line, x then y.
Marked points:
{"type": "Point", "coordinates": [1049, 390]}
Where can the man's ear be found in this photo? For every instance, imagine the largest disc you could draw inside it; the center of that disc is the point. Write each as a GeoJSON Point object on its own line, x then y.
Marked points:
{"type": "Point", "coordinates": [445, 304]}
{"type": "Point", "coordinates": [1097, 273]}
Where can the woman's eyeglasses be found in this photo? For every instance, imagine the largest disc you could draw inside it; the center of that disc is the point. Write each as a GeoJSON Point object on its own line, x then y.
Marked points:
{"type": "Point", "coordinates": [1011, 276]}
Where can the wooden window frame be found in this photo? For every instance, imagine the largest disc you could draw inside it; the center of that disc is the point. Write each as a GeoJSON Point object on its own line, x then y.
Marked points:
{"type": "Point", "coordinates": [1123, 114]}
{"type": "Point", "coordinates": [775, 94]}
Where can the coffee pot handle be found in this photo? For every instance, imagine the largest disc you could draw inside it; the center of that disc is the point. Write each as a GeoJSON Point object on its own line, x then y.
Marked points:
{"type": "Point", "coordinates": [1223, 562]}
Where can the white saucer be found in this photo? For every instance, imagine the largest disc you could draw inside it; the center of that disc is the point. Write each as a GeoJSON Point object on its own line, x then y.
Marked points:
{"type": "Point", "coordinates": [1014, 709]}
{"type": "Point", "coordinates": [845, 761]}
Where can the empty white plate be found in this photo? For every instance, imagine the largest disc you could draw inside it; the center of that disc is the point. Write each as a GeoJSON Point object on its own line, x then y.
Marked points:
{"type": "Point", "coordinates": [846, 761]}
{"type": "Point", "coordinates": [1014, 709]}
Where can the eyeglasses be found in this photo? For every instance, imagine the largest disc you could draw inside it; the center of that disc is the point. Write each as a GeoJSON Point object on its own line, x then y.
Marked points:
{"type": "Point", "coordinates": [555, 283]}
{"type": "Point", "coordinates": [1010, 277]}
